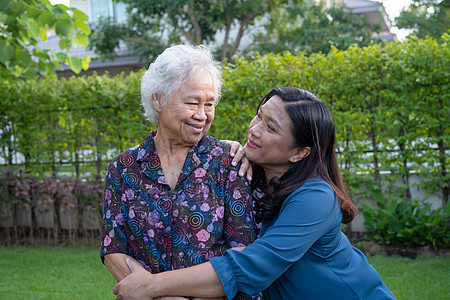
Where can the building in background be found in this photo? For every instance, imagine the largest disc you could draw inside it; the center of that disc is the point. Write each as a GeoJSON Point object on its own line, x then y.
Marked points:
{"type": "Point", "coordinates": [373, 11]}
{"type": "Point", "coordinates": [95, 9]}
{"type": "Point", "coordinates": [127, 62]}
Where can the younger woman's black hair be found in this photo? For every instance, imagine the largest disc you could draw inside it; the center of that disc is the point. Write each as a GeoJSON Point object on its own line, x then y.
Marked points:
{"type": "Point", "coordinates": [312, 126]}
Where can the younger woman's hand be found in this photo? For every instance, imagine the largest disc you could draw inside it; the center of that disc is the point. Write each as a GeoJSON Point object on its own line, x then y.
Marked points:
{"type": "Point", "coordinates": [238, 154]}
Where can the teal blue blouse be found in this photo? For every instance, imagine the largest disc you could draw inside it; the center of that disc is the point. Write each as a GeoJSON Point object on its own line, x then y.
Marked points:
{"type": "Point", "coordinates": [302, 254]}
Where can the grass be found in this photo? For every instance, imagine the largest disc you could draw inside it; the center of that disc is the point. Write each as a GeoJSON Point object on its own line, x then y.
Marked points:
{"type": "Point", "coordinates": [77, 273]}
{"type": "Point", "coordinates": [53, 273]}
{"type": "Point", "coordinates": [422, 278]}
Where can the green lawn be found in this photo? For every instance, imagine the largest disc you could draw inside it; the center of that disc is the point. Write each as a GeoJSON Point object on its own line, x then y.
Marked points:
{"type": "Point", "coordinates": [53, 273]}
{"type": "Point", "coordinates": [77, 273]}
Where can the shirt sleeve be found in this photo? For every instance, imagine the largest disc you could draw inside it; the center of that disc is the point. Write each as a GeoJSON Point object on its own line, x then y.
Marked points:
{"type": "Point", "coordinates": [113, 236]}
{"type": "Point", "coordinates": [304, 217]}
{"type": "Point", "coordinates": [239, 226]}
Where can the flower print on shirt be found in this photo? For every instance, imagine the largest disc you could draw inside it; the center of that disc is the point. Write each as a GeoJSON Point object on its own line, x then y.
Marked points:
{"type": "Point", "coordinates": [208, 212]}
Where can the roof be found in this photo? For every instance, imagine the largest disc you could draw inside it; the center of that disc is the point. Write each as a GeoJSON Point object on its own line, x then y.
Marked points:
{"type": "Point", "coordinates": [124, 56]}
{"type": "Point", "coordinates": [374, 12]}
{"type": "Point", "coordinates": [362, 6]}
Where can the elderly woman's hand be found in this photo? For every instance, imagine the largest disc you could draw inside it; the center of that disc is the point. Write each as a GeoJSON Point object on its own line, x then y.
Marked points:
{"type": "Point", "coordinates": [135, 285]}
{"type": "Point", "coordinates": [238, 154]}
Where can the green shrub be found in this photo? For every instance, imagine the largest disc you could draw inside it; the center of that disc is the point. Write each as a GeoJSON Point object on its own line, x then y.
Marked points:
{"type": "Point", "coordinates": [408, 223]}
{"type": "Point", "coordinates": [390, 104]}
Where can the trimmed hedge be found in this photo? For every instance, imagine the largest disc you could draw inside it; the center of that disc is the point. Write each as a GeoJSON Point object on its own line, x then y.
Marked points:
{"type": "Point", "coordinates": [390, 103]}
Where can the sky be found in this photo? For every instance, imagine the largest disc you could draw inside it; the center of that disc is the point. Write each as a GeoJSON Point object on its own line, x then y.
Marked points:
{"type": "Point", "coordinates": [392, 8]}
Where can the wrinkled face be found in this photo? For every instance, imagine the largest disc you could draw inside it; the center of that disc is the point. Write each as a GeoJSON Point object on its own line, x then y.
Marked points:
{"type": "Point", "coordinates": [189, 114]}
{"type": "Point", "coordinates": [270, 143]}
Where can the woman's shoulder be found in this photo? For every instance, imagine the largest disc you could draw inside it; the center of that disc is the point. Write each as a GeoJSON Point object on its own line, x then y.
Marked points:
{"type": "Point", "coordinates": [312, 202]}
{"type": "Point", "coordinates": [139, 152]}
{"type": "Point", "coordinates": [316, 183]}
{"type": "Point", "coordinates": [316, 188]}
{"type": "Point", "coordinates": [218, 152]}
{"type": "Point", "coordinates": [217, 145]}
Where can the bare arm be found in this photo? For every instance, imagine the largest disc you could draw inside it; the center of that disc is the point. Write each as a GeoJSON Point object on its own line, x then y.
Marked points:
{"type": "Point", "coordinates": [198, 281]}
{"type": "Point", "coordinates": [117, 265]}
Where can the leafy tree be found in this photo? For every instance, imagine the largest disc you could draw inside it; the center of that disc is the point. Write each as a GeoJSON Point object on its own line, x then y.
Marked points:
{"type": "Point", "coordinates": [313, 29]}
{"type": "Point", "coordinates": [426, 18]}
{"type": "Point", "coordinates": [24, 22]}
{"type": "Point", "coordinates": [154, 25]}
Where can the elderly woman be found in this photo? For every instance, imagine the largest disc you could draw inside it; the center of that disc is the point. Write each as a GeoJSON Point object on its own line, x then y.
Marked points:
{"type": "Point", "coordinates": [175, 200]}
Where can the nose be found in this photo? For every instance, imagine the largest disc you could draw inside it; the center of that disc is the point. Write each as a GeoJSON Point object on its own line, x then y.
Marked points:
{"type": "Point", "coordinates": [200, 113]}
{"type": "Point", "coordinates": [254, 129]}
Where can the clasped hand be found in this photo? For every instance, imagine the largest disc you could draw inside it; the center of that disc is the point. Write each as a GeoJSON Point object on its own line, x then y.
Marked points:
{"type": "Point", "coordinates": [135, 285]}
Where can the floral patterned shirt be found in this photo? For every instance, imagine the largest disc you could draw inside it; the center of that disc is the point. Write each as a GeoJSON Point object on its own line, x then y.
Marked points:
{"type": "Point", "coordinates": [208, 212]}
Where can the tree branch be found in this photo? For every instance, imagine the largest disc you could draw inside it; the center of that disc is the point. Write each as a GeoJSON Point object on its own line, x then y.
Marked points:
{"type": "Point", "coordinates": [245, 21]}
{"type": "Point", "coordinates": [225, 40]}
{"type": "Point", "coordinates": [198, 31]}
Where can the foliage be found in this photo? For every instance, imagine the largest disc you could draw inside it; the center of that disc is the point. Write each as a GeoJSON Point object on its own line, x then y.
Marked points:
{"type": "Point", "coordinates": [426, 18]}
{"type": "Point", "coordinates": [54, 273]}
{"type": "Point", "coordinates": [311, 28]}
{"type": "Point", "coordinates": [24, 23]}
{"type": "Point", "coordinates": [390, 103]}
{"type": "Point", "coordinates": [83, 121]}
{"type": "Point", "coordinates": [409, 223]}
{"type": "Point", "coordinates": [153, 26]}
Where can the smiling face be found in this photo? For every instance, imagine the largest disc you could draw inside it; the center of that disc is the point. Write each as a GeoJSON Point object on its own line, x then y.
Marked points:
{"type": "Point", "coordinates": [270, 143]}
{"type": "Point", "coordinates": [188, 116]}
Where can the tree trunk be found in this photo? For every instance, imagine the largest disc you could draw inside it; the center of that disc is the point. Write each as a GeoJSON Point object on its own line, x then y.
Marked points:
{"type": "Point", "coordinates": [405, 173]}
{"type": "Point", "coordinates": [375, 157]}
{"type": "Point", "coordinates": [445, 186]}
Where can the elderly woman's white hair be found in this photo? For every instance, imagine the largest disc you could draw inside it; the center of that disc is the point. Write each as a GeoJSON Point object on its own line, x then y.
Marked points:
{"type": "Point", "coordinates": [171, 69]}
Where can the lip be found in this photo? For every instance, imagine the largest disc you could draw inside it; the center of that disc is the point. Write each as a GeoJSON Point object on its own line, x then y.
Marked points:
{"type": "Point", "coordinates": [251, 144]}
{"type": "Point", "coordinates": [196, 128]}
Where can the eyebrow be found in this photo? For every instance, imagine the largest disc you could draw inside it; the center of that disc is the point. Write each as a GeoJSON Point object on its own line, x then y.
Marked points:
{"type": "Point", "coordinates": [272, 119]}
{"type": "Point", "coordinates": [198, 98]}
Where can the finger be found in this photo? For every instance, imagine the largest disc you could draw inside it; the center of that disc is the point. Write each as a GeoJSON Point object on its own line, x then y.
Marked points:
{"type": "Point", "coordinates": [245, 165]}
{"type": "Point", "coordinates": [132, 264]}
{"type": "Point", "coordinates": [227, 142]}
{"type": "Point", "coordinates": [235, 147]}
{"type": "Point", "coordinates": [240, 154]}
{"type": "Point", "coordinates": [250, 173]}
{"type": "Point", "coordinates": [115, 289]}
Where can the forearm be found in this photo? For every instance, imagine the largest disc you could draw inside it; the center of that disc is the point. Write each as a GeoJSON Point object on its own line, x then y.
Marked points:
{"type": "Point", "coordinates": [199, 281]}
{"type": "Point", "coordinates": [117, 266]}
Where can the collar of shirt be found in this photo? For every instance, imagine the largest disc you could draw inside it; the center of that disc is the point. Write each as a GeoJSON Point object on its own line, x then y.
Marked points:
{"type": "Point", "coordinates": [149, 159]}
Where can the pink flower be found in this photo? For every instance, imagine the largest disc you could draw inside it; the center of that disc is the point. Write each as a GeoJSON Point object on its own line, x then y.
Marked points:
{"type": "Point", "coordinates": [200, 172]}
{"type": "Point", "coordinates": [220, 211]}
{"type": "Point", "coordinates": [106, 241]}
{"type": "Point", "coordinates": [195, 158]}
{"type": "Point", "coordinates": [205, 207]}
{"type": "Point", "coordinates": [203, 235]}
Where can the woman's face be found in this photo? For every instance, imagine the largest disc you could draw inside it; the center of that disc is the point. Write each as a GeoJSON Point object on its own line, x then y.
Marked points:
{"type": "Point", "coordinates": [189, 114]}
{"type": "Point", "coordinates": [270, 143]}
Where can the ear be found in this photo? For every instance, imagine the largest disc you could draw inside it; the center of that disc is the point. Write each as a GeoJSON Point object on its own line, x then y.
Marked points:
{"type": "Point", "coordinates": [157, 103]}
{"type": "Point", "coordinates": [299, 154]}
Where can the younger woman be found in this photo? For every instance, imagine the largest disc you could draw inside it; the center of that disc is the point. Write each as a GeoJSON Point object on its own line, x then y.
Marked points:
{"type": "Point", "coordinates": [301, 200]}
